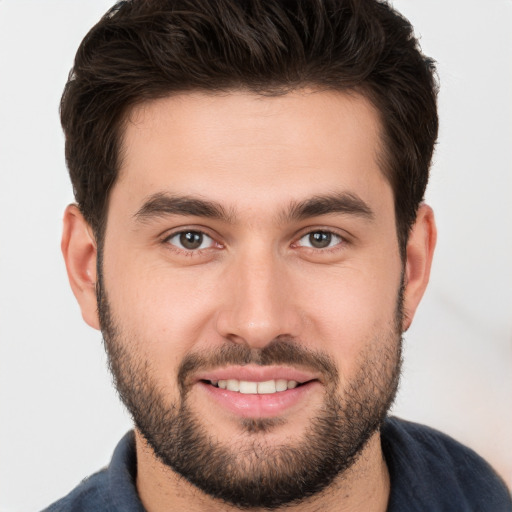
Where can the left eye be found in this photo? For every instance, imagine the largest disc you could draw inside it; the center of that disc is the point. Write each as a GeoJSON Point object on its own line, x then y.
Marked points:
{"type": "Point", "coordinates": [320, 240]}
{"type": "Point", "coordinates": [190, 240]}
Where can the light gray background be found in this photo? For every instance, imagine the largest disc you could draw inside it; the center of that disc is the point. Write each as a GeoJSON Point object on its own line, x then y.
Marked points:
{"type": "Point", "coordinates": [60, 418]}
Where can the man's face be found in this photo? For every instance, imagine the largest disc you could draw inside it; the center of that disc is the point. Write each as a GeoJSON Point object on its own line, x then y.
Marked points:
{"type": "Point", "coordinates": [251, 288]}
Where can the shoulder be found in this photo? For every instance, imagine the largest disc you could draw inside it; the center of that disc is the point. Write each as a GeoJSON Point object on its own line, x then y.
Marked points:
{"type": "Point", "coordinates": [431, 471]}
{"type": "Point", "coordinates": [90, 495]}
{"type": "Point", "coordinates": [110, 490]}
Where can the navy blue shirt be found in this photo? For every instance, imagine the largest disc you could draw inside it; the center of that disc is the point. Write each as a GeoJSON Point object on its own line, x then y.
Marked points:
{"type": "Point", "coordinates": [429, 471]}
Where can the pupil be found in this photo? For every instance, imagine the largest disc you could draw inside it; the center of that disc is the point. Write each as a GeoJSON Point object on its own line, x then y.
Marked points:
{"type": "Point", "coordinates": [191, 239]}
{"type": "Point", "coordinates": [320, 239]}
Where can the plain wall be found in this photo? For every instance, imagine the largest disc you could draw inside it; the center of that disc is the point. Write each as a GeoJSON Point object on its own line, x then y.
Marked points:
{"type": "Point", "coordinates": [59, 416]}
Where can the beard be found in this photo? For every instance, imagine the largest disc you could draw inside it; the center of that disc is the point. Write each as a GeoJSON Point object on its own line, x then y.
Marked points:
{"type": "Point", "coordinates": [251, 472]}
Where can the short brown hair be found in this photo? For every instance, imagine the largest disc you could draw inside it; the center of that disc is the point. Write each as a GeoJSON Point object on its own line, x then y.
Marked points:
{"type": "Point", "coordinates": [147, 49]}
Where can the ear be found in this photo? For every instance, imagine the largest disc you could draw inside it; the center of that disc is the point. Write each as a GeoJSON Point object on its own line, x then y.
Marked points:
{"type": "Point", "coordinates": [420, 251]}
{"type": "Point", "coordinates": [80, 252]}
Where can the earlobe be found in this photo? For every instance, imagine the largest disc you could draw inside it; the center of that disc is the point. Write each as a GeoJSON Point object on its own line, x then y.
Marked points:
{"type": "Point", "coordinates": [420, 251]}
{"type": "Point", "coordinates": [80, 253]}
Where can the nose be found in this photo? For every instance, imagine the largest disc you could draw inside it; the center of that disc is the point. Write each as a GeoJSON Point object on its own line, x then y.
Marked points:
{"type": "Point", "coordinates": [259, 304]}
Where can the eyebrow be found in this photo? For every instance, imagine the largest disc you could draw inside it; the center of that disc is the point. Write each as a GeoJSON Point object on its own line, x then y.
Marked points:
{"type": "Point", "coordinates": [161, 205]}
{"type": "Point", "coordinates": [344, 202]}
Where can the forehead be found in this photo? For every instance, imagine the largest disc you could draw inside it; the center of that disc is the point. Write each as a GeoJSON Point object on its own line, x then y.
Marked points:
{"type": "Point", "coordinates": [247, 149]}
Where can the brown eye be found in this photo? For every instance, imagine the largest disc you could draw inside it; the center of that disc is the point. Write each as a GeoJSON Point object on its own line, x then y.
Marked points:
{"type": "Point", "coordinates": [320, 240]}
{"type": "Point", "coordinates": [190, 240]}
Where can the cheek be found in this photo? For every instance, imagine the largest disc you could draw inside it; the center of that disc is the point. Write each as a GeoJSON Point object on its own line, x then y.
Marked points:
{"type": "Point", "coordinates": [162, 310]}
{"type": "Point", "coordinates": [351, 309]}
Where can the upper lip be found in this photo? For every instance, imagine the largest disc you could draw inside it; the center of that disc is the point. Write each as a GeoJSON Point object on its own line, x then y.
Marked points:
{"type": "Point", "coordinates": [252, 373]}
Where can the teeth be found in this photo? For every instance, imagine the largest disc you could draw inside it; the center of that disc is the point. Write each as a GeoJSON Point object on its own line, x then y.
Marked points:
{"type": "Point", "coordinates": [233, 385]}
{"type": "Point", "coordinates": [252, 388]}
{"type": "Point", "coordinates": [281, 385]}
{"type": "Point", "coordinates": [267, 387]}
{"type": "Point", "coordinates": [248, 387]}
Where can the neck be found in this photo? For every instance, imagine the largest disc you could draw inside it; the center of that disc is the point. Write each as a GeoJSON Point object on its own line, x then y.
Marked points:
{"type": "Point", "coordinates": [364, 486]}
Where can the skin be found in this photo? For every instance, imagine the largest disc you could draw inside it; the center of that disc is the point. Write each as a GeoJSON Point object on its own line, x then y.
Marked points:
{"type": "Point", "coordinates": [257, 279]}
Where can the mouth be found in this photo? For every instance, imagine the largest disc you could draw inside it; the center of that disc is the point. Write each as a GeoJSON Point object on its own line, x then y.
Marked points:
{"type": "Point", "coordinates": [247, 387]}
{"type": "Point", "coordinates": [258, 392]}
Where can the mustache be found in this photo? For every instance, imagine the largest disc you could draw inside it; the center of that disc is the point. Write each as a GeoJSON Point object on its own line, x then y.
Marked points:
{"type": "Point", "coordinates": [283, 351]}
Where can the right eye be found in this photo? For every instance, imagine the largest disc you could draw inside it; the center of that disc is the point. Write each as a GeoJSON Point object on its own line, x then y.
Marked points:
{"type": "Point", "coordinates": [190, 240]}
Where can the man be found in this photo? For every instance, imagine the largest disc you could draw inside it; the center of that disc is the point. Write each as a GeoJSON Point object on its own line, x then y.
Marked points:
{"type": "Point", "coordinates": [251, 239]}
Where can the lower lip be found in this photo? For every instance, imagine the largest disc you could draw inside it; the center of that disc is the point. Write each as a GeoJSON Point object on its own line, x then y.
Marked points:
{"type": "Point", "coordinates": [259, 406]}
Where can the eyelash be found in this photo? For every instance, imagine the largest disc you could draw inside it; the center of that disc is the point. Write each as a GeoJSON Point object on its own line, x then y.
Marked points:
{"type": "Point", "coordinates": [190, 251]}
{"type": "Point", "coordinates": [340, 241]}
{"type": "Point", "coordinates": [331, 235]}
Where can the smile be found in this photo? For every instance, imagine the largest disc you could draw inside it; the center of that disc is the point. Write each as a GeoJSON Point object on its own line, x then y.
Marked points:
{"type": "Point", "coordinates": [245, 387]}
{"type": "Point", "coordinates": [258, 392]}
